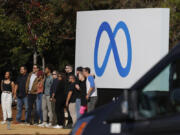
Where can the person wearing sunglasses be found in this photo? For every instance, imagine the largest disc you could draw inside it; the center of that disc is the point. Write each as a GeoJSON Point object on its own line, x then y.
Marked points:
{"type": "Point", "coordinates": [52, 90]}
{"type": "Point", "coordinates": [59, 96]}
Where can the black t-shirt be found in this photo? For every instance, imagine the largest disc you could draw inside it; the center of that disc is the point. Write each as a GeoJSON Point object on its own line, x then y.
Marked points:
{"type": "Point", "coordinates": [82, 85]}
{"type": "Point", "coordinates": [60, 91]}
{"type": "Point", "coordinates": [67, 83]}
{"type": "Point", "coordinates": [21, 82]}
{"type": "Point", "coordinates": [7, 87]}
{"type": "Point", "coordinates": [75, 92]}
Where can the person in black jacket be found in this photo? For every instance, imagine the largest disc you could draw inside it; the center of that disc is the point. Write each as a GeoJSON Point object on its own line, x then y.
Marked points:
{"type": "Point", "coordinates": [59, 96]}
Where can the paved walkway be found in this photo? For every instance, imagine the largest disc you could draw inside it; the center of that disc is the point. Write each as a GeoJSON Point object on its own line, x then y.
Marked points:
{"type": "Point", "coordinates": [21, 129]}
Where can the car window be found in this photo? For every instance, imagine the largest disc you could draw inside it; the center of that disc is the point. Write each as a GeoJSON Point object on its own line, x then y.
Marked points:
{"type": "Point", "coordinates": [160, 82]}
{"type": "Point", "coordinates": [162, 95]}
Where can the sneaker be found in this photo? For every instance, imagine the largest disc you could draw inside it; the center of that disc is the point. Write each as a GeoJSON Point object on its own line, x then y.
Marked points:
{"type": "Point", "coordinates": [48, 125]}
{"type": "Point", "coordinates": [43, 124]}
{"type": "Point", "coordinates": [3, 122]}
{"type": "Point", "coordinates": [58, 126]}
{"type": "Point", "coordinates": [35, 124]}
{"type": "Point", "coordinates": [40, 122]}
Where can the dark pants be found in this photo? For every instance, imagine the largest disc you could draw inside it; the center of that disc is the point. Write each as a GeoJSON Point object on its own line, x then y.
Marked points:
{"type": "Point", "coordinates": [59, 108]}
{"type": "Point", "coordinates": [31, 108]}
{"type": "Point", "coordinates": [91, 103]}
{"type": "Point", "coordinates": [70, 122]}
{"type": "Point", "coordinates": [69, 118]}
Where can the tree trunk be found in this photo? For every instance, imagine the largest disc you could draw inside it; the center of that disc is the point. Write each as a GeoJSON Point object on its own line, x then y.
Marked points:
{"type": "Point", "coordinates": [43, 63]}
{"type": "Point", "coordinates": [35, 57]}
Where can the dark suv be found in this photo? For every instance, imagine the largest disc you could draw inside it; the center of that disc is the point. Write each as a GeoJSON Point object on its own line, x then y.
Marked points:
{"type": "Point", "coordinates": [150, 107]}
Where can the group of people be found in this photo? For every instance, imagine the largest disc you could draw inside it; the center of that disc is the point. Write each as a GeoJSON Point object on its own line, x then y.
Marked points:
{"type": "Point", "coordinates": [50, 98]}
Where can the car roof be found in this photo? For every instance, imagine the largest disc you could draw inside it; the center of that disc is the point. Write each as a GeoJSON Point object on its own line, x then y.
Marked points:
{"type": "Point", "coordinates": [147, 77]}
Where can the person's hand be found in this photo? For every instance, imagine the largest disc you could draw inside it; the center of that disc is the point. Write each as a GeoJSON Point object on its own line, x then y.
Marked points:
{"type": "Point", "coordinates": [87, 97]}
{"type": "Point", "coordinates": [51, 99]}
{"type": "Point", "coordinates": [67, 104]}
{"type": "Point", "coordinates": [77, 87]}
{"type": "Point", "coordinates": [14, 96]}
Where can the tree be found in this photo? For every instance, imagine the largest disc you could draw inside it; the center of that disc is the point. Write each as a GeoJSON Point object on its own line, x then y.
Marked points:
{"type": "Point", "coordinates": [48, 27]}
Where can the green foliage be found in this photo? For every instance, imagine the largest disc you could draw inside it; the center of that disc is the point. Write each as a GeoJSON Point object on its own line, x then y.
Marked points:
{"type": "Point", "coordinates": [12, 39]}
{"type": "Point", "coordinates": [174, 6]}
{"type": "Point", "coordinates": [49, 26]}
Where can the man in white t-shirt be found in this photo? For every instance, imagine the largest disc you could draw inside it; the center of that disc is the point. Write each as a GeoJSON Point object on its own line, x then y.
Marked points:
{"type": "Point", "coordinates": [91, 90]}
{"type": "Point", "coordinates": [31, 90]}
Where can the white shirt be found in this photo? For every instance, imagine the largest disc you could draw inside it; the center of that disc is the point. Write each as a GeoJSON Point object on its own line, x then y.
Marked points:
{"type": "Point", "coordinates": [33, 77]}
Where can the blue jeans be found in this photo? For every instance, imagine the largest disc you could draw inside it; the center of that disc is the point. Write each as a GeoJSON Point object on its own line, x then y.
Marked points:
{"type": "Point", "coordinates": [20, 103]}
{"type": "Point", "coordinates": [39, 106]}
{"type": "Point", "coordinates": [78, 105]}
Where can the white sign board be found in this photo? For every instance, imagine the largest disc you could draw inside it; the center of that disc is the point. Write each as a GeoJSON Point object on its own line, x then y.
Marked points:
{"type": "Point", "coordinates": [121, 45]}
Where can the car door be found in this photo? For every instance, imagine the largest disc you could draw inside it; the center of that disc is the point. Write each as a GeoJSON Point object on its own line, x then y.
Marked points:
{"type": "Point", "coordinates": [158, 104]}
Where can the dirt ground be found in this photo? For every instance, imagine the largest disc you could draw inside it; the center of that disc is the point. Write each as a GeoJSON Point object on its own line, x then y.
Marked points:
{"type": "Point", "coordinates": [22, 129]}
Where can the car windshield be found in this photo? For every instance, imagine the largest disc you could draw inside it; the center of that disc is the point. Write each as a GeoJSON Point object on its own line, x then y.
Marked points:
{"type": "Point", "coordinates": [162, 95]}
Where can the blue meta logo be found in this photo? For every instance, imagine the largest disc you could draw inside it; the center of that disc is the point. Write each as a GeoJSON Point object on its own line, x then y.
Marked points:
{"type": "Point", "coordinates": [123, 71]}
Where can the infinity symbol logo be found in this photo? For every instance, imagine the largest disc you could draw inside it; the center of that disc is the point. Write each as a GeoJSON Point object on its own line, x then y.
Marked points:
{"type": "Point", "coordinates": [112, 46]}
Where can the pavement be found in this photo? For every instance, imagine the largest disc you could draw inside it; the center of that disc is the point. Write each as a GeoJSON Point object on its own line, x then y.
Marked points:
{"type": "Point", "coordinates": [22, 129]}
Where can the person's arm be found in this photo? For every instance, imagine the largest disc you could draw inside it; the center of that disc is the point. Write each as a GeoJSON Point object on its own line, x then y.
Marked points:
{"type": "Point", "coordinates": [89, 93]}
{"type": "Point", "coordinates": [55, 87]}
{"type": "Point", "coordinates": [2, 85]}
{"type": "Point", "coordinates": [51, 90]}
{"type": "Point", "coordinates": [54, 91]}
{"type": "Point", "coordinates": [77, 87]}
{"type": "Point", "coordinates": [15, 90]}
{"type": "Point", "coordinates": [92, 86]}
{"type": "Point", "coordinates": [13, 87]}
{"type": "Point", "coordinates": [68, 98]}
{"type": "Point", "coordinates": [27, 83]}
